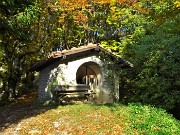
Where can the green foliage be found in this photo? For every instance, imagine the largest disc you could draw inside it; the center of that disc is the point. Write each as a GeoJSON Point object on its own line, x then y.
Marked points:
{"type": "Point", "coordinates": [150, 120]}
{"type": "Point", "coordinates": [16, 38]}
{"type": "Point", "coordinates": [52, 85]}
{"type": "Point", "coordinates": [25, 18]}
{"type": "Point", "coordinates": [155, 79]}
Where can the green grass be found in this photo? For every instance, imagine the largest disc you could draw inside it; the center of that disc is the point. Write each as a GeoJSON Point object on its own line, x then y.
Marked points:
{"type": "Point", "coordinates": [115, 119]}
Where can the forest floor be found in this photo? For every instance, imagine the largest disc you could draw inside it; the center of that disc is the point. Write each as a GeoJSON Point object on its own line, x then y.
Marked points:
{"type": "Point", "coordinates": [22, 118]}
{"type": "Point", "coordinates": [19, 109]}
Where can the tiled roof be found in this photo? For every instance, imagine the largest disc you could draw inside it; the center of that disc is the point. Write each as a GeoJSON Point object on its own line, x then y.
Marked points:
{"type": "Point", "coordinates": [75, 50]}
{"type": "Point", "coordinates": [52, 57]}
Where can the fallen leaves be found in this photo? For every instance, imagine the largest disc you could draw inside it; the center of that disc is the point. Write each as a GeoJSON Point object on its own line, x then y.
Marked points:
{"type": "Point", "coordinates": [92, 120]}
{"type": "Point", "coordinates": [72, 120]}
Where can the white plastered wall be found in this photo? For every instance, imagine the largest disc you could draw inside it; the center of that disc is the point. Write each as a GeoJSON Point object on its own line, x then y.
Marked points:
{"type": "Point", "coordinates": [66, 75]}
{"type": "Point", "coordinates": [69, 70]}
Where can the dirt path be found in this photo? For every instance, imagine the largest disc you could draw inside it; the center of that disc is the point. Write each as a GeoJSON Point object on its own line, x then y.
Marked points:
{"type": "Point", "coordinates": [10, 118]}
{"type": "Point", "coordinates": [20, 109]}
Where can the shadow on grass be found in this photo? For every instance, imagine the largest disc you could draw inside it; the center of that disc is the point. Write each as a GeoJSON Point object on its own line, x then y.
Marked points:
{"type": "Point", "coordinates": [20, 109]}
{"type": "Point", "coordinates": [11, 116]}
{"type": "Point", "coordinates": [112, 106]}
{"type": "Point", "coordinates": [175, 112]}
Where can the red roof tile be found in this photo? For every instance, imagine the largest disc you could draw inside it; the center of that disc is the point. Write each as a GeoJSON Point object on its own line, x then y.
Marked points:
{"type": "Point", "coordinates": [60, 54]}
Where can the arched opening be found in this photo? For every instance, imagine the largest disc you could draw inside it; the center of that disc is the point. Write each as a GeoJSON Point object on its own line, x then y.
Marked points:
{"type": "Point", "coordinates": [89, 73]}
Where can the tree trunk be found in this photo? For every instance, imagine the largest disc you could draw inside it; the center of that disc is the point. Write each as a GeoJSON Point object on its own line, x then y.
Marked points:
{"type": "Point", "coordinates": [13, 80]}
{"type": "Point", "coordinates": [12, 85]}
{"type": "Point", "coordinates": [6, 91]}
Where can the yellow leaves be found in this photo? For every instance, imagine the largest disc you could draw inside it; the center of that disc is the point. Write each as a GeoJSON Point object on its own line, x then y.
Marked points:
{"type": "Point", "coordinates": [73, 4]}
{"type": "Point", "coordinates": [80, 17]}
{"type": "Point", "coordinates": [117, 130]}
{"type": "Point", "coordinates": [103, 1]}
{"type": "Point", "coordinates": [177, 4]}
{"type": "Point", "coordinates": [61, 17]}
{"type": "Point", "coordinates": [80, 11]}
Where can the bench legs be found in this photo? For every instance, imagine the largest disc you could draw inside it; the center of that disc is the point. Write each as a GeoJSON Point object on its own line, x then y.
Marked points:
{"type": "Point", "coordinates": [60, 98]}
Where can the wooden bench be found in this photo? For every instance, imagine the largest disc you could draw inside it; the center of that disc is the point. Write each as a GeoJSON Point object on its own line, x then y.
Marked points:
{"type": "Point", "coordinates": [72, 91]}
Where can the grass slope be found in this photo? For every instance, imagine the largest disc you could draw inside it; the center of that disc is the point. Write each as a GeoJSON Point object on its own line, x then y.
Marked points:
{"type": "Point", "coordinates": [114, 119]}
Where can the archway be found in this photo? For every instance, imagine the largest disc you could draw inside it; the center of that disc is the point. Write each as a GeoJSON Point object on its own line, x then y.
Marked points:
{"type": "Point", "coordinates": [89, 73]}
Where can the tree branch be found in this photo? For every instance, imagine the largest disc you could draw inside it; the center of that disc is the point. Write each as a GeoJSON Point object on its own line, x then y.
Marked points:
{"type": "Point", "coordinates": [34, 51]}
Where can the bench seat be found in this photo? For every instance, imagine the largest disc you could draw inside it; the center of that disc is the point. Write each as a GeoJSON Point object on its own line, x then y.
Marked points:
{"type": "Point", "coordinates": [62, 92]}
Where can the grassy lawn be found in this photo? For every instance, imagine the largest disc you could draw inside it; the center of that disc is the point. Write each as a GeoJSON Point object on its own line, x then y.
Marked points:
{"type": "Point", "coordinates": [90, 119]}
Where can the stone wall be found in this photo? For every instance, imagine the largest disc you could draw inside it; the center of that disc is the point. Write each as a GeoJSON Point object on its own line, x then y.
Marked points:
{"type": "Point", "coordinates": [65, 74]}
